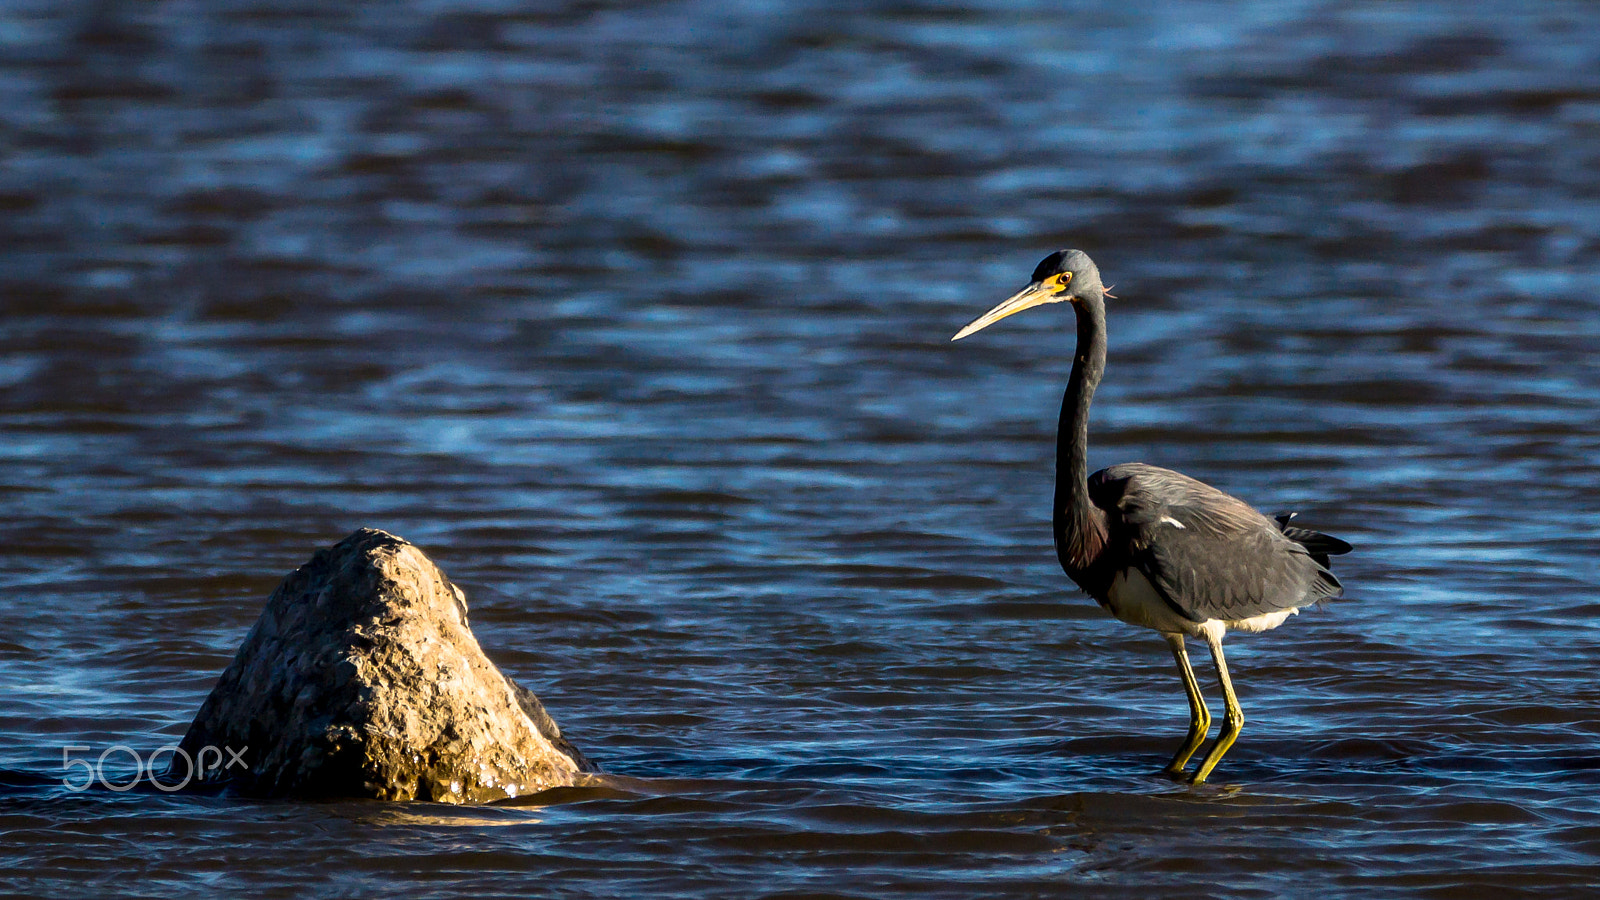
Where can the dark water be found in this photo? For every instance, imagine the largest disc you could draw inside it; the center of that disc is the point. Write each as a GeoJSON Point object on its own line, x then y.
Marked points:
{"type": "Point", "coordinates": [636, 319]}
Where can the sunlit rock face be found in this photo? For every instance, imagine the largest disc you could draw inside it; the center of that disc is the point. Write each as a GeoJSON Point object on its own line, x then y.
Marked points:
{"type": "Point", "coordinates": [362, 679]}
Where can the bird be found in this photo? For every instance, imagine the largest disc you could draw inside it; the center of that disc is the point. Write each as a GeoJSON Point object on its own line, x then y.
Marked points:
{"type": "Point", "coordinates": [1155, 547]}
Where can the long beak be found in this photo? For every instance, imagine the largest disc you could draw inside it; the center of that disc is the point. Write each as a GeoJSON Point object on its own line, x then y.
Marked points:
{"type": "Point", "coordinates": [1027, 298]}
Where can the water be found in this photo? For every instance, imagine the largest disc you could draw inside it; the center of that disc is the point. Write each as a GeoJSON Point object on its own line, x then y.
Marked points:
{"type": "Point", "coordinates": [636, 320]}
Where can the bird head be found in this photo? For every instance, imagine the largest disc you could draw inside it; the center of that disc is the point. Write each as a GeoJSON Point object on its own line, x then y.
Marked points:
{"type": "Point", "coordinates": [1065, 275]}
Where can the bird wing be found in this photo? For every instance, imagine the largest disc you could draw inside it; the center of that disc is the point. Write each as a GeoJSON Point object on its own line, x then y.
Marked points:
{"type": "Point", "coordinates": [1210, 555]}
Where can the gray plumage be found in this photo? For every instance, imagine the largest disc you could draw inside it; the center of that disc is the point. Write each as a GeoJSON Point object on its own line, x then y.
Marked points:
{"type": "Point", "coordinates": [1227, 561]}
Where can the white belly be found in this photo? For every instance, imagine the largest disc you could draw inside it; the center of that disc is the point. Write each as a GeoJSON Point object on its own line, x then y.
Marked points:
{"type": "Point", "coordinates": [1134, 600]}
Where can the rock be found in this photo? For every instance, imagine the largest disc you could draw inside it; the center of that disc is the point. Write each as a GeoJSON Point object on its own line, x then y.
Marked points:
{"type": "Point", "coordinates": [361, 679]}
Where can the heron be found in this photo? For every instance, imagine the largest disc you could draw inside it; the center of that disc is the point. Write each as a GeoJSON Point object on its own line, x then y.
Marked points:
{"type": "Point", "coordinates": [1157, 548]}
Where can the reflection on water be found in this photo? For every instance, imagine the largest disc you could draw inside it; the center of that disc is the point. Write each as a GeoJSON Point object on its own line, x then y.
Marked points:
{"type": "Point", "coordinates": [637, 320]}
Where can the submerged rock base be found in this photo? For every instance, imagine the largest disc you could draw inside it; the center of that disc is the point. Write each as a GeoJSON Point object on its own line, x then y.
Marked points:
{"type": "Point", "coordinates": [361, 679]}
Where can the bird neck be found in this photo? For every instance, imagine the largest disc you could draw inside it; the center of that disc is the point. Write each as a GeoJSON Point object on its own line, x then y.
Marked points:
{"type": "Point", "coordinates": [1079, 526]}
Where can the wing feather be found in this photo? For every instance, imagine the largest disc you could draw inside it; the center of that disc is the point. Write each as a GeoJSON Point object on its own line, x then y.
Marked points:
{"type": "Point", "coordinates": [1211, 555]}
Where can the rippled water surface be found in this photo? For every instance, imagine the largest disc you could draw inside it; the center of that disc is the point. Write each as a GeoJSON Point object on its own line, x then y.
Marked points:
{"type": "Point", "coordinates": [636, 318]}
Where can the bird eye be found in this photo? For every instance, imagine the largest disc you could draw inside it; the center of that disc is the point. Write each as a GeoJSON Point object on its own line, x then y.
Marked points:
{"type": "Point", "coordinates": [1062, 279]}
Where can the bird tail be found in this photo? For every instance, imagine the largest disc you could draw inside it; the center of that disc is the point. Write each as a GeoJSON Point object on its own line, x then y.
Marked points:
{"type": "Point", "coordinates": [1319, 547]}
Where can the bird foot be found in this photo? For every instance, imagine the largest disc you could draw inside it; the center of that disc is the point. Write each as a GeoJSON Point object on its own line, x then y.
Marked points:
{"type": "Point", "coordinates": [1179, 775]}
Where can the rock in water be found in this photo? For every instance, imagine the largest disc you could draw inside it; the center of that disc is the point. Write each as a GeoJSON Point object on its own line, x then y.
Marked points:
{"type": "Point", "coordinates": [361, 679]}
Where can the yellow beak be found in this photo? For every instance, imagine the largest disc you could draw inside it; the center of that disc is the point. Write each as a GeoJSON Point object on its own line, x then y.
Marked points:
{"type": "Point", "coordinates": [1027, 298]}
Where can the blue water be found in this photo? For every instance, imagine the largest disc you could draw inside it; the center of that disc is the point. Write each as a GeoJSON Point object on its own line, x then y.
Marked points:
{"type": "Point", "coordinates": [637, 321]}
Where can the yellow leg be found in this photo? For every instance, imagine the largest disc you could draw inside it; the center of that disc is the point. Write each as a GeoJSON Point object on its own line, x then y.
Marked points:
{"type": "Point", "coordinates": [1232, 720]}
{"type": "Point", "coordinates": [1199, 716]}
